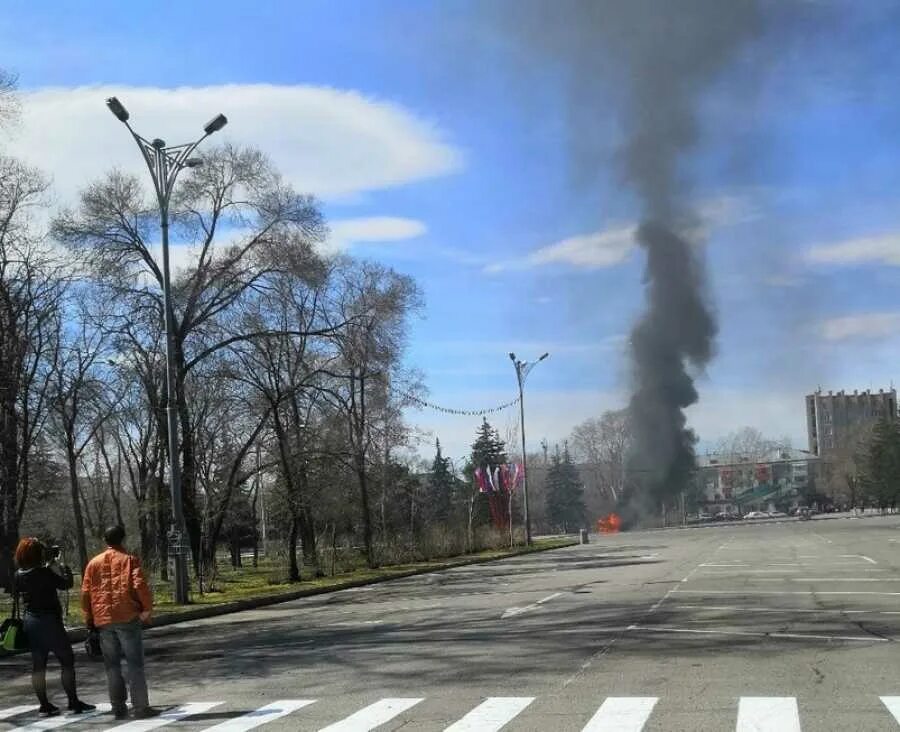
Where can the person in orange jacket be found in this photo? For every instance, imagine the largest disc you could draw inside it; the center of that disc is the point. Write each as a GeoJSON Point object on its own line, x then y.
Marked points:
{"type": "Point", "coordinates": [116, 600]}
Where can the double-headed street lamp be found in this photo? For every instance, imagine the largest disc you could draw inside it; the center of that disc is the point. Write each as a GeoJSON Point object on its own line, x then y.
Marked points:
{"type": "Point", "coordinates": [523, 368]}
{"type": "Point", "coordinates": [165, 163]}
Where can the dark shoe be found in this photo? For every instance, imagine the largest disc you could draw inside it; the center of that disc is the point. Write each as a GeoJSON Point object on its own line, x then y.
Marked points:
{"type": "Point", "coordinates": [79, 707]}
{"type": "Point", "coordinates": [120, 712]}
{"type": "Point", "coordinates": [146, 713]}
{"type": "Point", "coordinates": [48, 710]}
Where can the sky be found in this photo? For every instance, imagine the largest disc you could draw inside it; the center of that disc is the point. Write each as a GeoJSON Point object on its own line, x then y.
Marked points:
{"type": "Point", "coordinates": [442, 146]}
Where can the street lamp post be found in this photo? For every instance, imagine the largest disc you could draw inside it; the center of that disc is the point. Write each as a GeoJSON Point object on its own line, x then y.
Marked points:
{"type": "Point", "coordinates": [523, 368]}
{"type": "Point", "coordinates": [165, 163]}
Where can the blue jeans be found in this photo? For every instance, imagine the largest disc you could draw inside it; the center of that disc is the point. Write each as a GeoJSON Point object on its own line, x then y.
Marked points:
{"type": "Point", "coordinates": [118, 640]}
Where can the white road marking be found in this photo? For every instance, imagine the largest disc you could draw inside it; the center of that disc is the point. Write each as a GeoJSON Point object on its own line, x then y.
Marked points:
{"type": "Point", "coordinates": [755, 634]}
{"type": "Point", "coordinates": [168, 717]}
{"type": "Point", "coordinates": [62, 720]}
{"type": "Point", "coordinates": [754, 608]}
{"type": "Point", "coordinates": [492, 714]}
{"type": "Point", "coordinates": [768, 714]}
{"type": "Point", "coordinates": [372, 716]}
{"type": "Point", "coordinates": [723, 565]}
{"type": "Point", "coordinates": [16, 711]}
{"type": "Point", "coordinates": [893, 705]}
{"type": "Point", "coordinates": [751, 571]}
{"type": "Point", "coordinates": [261, 716]}
{"type": "Point", "coordinates": [783, 592]}
{"type": "Point", "coordinates": [621, 714]}
{"type": "Point", "coordinates": [512, 611]}
{"type": "Point", "coordinates": [859, 556]}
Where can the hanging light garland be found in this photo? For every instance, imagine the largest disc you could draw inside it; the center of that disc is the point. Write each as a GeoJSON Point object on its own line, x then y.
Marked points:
{"type": "Point", "coordinates": [461, 412]}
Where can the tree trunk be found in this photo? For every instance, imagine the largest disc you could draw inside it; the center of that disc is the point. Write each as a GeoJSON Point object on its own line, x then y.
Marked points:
{"type": "Point", "coordinates": [293, 569]}
{"type": "Point", "coordinates": [80, 540]}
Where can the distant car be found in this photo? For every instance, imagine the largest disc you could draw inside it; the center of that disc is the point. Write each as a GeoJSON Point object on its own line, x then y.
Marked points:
{"type": "Point", "coordinates": [777, 514]}
{"type": "Point", "coordinates": [805, 514]}
{"type": "Point", "coordinates": [756, 515]}
{"type": "Point", "coordinates": [727, 516]}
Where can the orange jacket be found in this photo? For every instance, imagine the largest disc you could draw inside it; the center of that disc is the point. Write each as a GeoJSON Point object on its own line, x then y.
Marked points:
{"type": "Point", "coordinates": [114, 589]}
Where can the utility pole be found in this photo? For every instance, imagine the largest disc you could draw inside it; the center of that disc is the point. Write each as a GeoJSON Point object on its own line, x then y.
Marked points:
{"type": "Point", "coordinates": [523, 368]}
{"type": "Point", "coordinates": [165, 163]}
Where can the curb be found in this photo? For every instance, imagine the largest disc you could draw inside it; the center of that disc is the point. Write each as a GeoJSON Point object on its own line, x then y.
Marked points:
{"type": "Point", "coordinates": [77, 635]}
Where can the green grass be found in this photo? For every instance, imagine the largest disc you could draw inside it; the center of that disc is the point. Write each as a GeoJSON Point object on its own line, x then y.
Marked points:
{"type": "Point", "coordinates": [269, 580]}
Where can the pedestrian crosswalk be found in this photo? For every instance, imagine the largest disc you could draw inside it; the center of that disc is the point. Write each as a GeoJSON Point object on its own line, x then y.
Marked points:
{"type": "Point", "coordinates": [614, 714]}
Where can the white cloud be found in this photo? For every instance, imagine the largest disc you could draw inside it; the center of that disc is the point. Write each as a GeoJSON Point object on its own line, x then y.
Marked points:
{"type": "Point", "coordinates": [329, 142]}
{"type": "Point", "coordinates": [373, 229]}
{"type": "Point", "coordinates": [596, 250]}
{"type": "Point", "coordinates": [866, 326]}
{"type": "Point", "coordinates": [884, 249]}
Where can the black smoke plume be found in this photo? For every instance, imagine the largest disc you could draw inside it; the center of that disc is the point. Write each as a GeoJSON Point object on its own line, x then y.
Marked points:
{"type": "Point", "coordinates": [649, 62]}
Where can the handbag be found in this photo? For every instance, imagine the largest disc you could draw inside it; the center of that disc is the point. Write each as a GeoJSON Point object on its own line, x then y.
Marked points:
{"type": "Point", "coordinates": [92, 644]}
{"type": "Point", "coordinates": [12, 630]}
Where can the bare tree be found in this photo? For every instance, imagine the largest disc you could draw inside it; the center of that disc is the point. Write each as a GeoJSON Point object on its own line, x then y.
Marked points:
{"type": "Point", "coordinates": [80, 407]}
{"type": "Point", "coordinates": [373, 304]}
{"type": "Point", "coordinates": [31, 286]}
{"type": "Point", "coordinates": [604, 444]}
{"type": "Point", "coordinates": [232, 214]}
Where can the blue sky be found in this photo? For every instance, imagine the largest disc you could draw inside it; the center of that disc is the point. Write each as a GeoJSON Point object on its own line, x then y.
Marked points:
{"type": "Point", "coordinates": [441, 147]}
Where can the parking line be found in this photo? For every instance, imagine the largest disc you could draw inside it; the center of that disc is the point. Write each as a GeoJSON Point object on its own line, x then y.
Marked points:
{"type": "Point", "coordinates": [756, 634]}
{"type": "Point", "coordinates": [753, 608]}
{"type": "Point", "coordinates": [783, 592]}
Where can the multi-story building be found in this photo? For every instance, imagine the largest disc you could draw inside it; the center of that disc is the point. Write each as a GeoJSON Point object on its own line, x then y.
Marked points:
{"type": "Point", "coordinates": [833, 419]}
{"type": "Point", "coordinates": [776, 480]}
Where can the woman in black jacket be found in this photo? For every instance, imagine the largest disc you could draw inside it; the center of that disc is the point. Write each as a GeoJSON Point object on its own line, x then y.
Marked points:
{"type": "Point", "coordinates": [36, 584]}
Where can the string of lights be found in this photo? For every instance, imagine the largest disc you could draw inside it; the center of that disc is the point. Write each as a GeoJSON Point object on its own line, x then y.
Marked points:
{"type": "Point", "coordinates": [461, 412]}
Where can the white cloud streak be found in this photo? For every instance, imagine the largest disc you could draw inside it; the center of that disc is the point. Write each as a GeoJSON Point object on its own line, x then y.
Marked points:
{"type": "Point", "coordinates": [884, 249]}
{"type": "Point", "coordinates": [335, 144]}
{"type": "Point", "coordinates": [346, 233]}
{"type": "Point", "coordinates": [597, 250]}
{"type": "Point", "coordinates": [867, 326]}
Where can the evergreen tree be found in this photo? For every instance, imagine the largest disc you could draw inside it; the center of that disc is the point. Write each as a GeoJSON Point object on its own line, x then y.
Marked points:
{"type": "Point", "coordinates": [488, 452]}
{"type": "Point", "coordinates": [442, 485]}
{"type": "Point", "coordinates": [881, 464]}
{"type": "Point", "coordinates": [564, 493]}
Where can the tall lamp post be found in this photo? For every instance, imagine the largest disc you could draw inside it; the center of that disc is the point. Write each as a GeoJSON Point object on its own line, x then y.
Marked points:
{"type": "Point", "coordinates": [523, 368]}
{"type": "Point", "coordinates": [165, 163]}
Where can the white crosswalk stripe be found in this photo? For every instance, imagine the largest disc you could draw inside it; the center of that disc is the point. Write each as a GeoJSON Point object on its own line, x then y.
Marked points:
{"type": "Point", "coordinates": [622, 714]}
{"type": "Point", "coordinates": [492, 714]}
{"type": "Point", "coordinates": [893, 705]}
{"type": "Point", "coordinates": [167, 717]}
{"type": "Point", "coordinates": [372, 716]}
{"type": "Point", "coordinates": [16, 711]}
{"type": "Point", "coordinates": [768, 714]}
{"type": "Point", "coordinates": [261, 716]}
{"type": "Point", "coordinates": [62, 720]}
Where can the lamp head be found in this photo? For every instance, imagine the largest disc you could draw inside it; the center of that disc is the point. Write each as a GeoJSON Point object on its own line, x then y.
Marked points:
{"type": "Point", "coordinates": [215, 124]}
{"type": "Point", "coordinates": [117, 108]}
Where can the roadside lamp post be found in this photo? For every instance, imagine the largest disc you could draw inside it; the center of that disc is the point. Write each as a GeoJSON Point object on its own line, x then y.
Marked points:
{"type": "Point", "coordinates": [523, 368]}
{"type": "Point", "coordinates": [165, 163]}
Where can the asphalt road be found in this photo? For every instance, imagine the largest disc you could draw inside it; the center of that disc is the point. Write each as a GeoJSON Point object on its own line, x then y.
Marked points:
{"type": "Point", "coordinates": [774, 627]}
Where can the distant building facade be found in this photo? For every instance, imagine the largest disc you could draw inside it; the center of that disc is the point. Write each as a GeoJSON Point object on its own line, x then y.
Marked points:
{"type": "Point", "coordinates": [777, 480]}
{"type": "Point", "coordinates": [834, 418]}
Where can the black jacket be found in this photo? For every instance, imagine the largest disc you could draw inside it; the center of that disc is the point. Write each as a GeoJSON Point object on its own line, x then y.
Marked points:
{"type": "Point", "coordinates": [37, 589]}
